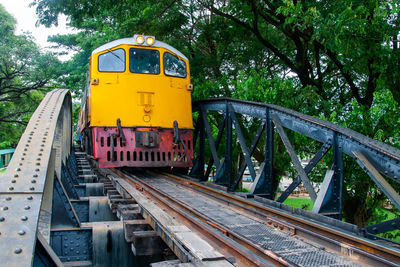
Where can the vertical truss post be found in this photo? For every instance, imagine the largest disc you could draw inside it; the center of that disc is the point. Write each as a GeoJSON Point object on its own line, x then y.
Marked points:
{"type": "Point", "coordinates": [332, 200]}
{"type": "Point", "coordinates": [226, 172]}
{"type": "Point", "coordinates": [265, 183]}
{"type": "Point", "coordinates": [198, 166]}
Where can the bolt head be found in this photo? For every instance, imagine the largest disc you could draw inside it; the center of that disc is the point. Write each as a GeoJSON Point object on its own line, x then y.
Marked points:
{"type": "Point", "coordinates": [2, 219]}
{"type": "Point", "coordinates": [29, 198]}
{"type": "Point", "coordinates": [18, 250]}
{"type": "Point", "coordinates": [27, 207]}
{"type": "Point", "coordinates": [24, 218]}
{"type": "Point", "coordinates": [21, 232]}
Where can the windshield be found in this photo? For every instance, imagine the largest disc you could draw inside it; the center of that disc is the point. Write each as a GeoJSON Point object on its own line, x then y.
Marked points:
{"type": "Point", "coordinates": [112, 61]}
{"type": "Point", "coordinates": [173, 66]}
{"type": "Point", "coordinates": [144, 61]}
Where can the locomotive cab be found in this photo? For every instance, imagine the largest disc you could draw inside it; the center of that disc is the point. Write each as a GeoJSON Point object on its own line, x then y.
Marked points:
{"type": "Point", "coordinates": [137, 105]}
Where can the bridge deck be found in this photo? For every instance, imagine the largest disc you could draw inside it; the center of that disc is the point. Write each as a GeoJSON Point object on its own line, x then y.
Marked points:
{"type": "Point", "coordinates": [289, 247]}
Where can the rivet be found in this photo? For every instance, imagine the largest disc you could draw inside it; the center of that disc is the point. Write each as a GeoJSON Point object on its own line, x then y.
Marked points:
{"type": "Point", "coordinates": [24, 218]}
{"type": "Point", "coordinates": [40, 154]}
{"type": "Point", "coordinates": [2, 219]}
{"type": "Point", "coordinates": [31, 188]}
{"type": "Point", "coordinates": [15, 175]}
{"type": "Point", "coordinates": [11, 188]}
{"type": "Point", "coordinates": [42, 145]}
{"type": "Point", "coordinates": [35, 175]}
{"type": "Point", "coordinates": [41, 149]}
{"type": "Point", "coordinates": [25, 149]}
{"type": "Point", "coordinates": [37, 169]}
{"type": "Point", "coordinates": [22, 158]}
{"type": "Point", "coordinates": [27, 144]}
{"type": "Point", "coordinates": [38, 159]}
{"type": "Point", "coordinates": [38, 163]}
{"type": "Point", "coordinates": [18, 250]}
{"type": "Point", "coordinates": [21, 232]}
{"type": "Point", "coordinates": [33, 181]}
{"type": "Point", "coordinates": [29, 198]}
{"type": "Point", "coordinates": [13, 181]}
{"type": "Point", "coordinates": [23, 154]}
{"type": "Point", "coordinates": [5, 208]}
{"type": "Point", "coordinates": [18, 169]}
{"type": "Point", "coordinates": [20, 164]}
{"type": "Point", "coordinates": [27, 207]}
{"type": "Point", "coordinates": [8, 198]}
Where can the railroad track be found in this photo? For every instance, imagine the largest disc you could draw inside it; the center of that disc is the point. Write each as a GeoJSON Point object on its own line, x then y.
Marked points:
{"type": "Point", "coordinates": [249, 232]}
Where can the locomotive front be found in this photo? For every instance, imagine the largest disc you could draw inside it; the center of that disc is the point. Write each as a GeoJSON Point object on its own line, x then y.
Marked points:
{"type": "Point", "coordinates": [137, 105]}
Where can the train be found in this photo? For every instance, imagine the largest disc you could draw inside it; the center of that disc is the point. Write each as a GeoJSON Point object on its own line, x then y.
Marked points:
{"type": "Point", "coordinates": [136, 107]}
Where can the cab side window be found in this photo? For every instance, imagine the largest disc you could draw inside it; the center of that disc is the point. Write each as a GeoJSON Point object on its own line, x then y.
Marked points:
{"type": "Point", "coordinates": [173, 66]}
{"type": "Point", "coordinates": [112, 61]}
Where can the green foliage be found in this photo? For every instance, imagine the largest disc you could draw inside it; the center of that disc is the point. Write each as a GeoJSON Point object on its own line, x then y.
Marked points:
{"type": "Point", "coordinates": [335, 60]}
{"type": "Point", "coordinates": [24, 74]}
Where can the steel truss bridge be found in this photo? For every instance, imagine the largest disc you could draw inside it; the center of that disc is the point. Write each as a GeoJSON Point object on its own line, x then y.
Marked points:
{"type": "Point", "coordinates": [57, 208]}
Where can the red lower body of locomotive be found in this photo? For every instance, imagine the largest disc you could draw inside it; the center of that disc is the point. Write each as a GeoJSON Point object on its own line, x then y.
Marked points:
{"type": "Point", "coordinates": [142, 147]}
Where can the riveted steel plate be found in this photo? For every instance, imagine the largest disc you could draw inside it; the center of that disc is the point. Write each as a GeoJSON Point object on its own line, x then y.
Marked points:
{"type": "Point", "coordinates": [26, 177]}
{"type": "Point", "coordinates": [18, 223]}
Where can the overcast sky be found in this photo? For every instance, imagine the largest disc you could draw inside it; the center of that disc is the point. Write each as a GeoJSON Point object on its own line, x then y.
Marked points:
{"type": "Point", "coordinates": [26, 20]}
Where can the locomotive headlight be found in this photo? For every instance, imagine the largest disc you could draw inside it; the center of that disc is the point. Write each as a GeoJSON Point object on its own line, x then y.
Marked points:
{"type": "Point", "coordinates": [139, 39]}
{"type": "Point", "coordinates": [150, 40]}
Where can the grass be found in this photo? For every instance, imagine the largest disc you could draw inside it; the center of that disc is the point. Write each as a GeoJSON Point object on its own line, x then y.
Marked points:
{"type": "Point", "coordinates": [302, 203]}
{"type": "Point", "coordinates": [244, 190]}
{"type": "Point", "coordinates": [386, 215]}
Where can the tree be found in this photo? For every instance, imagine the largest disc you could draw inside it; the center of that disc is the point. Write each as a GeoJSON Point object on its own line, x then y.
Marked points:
{"type": "Point", "coordinates": [24, 73]}
{"type": "Point", "coordinates": [336, 60]}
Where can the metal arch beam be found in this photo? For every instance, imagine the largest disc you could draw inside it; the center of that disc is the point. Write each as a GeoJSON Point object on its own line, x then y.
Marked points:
{"type": "Point", "coordinates": [22, 185]}
{"type": "Point", "coordinates": [385, 158]}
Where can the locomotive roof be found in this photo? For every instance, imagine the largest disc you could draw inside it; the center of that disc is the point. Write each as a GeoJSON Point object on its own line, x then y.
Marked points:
{"type": "Point", "coordinates": [132, 41]}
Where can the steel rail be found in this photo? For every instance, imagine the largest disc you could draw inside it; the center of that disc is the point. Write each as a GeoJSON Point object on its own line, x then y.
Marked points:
{"type": "Point", "coordinates": [385, 157]}
{"type": "Point", "coordinates": [334, 238]}
{"type": "Point", "coordinates": [26, 186]}
{"type": "Point", "coordinates": [240, 245]}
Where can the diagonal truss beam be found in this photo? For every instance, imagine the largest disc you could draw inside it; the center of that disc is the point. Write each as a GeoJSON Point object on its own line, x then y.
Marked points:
{"type": "Point", "coordinates": [377, 178]}
{"type": "Point", "coordinates": [217, 143]}
{"type": "Point", "coordinates": [253, 146]}
{"type": "Point", "coordinates": [293, 156]}
{"type": "Point", "coordinates": [313, 162]}
{"type": "Point", "coordinates": [210, 138]}
{"type": "Point", "coordinates": [242, 142]}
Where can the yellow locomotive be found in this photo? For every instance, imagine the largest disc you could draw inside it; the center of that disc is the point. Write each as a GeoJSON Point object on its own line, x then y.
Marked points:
{"type": "Point", "coordinates": [136, 109]}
